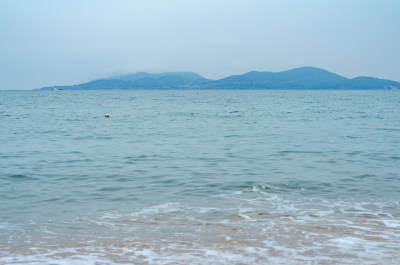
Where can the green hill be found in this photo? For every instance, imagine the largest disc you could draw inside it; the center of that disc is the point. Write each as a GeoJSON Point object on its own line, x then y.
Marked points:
{"type": "Point", "coordinates": [309, 78]}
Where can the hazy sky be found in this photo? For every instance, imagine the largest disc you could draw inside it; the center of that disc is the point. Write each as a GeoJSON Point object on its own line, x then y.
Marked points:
{"type": "Point", "coordinates": [65, 42]}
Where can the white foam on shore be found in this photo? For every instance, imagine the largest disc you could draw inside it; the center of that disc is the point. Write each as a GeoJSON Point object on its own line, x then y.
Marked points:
{"type": "Point", "coordinates": [344, 250]}
{"type": "Point", "coordinates": [256, 227]}
{"type": "Point", "coordinates": [391, 223]}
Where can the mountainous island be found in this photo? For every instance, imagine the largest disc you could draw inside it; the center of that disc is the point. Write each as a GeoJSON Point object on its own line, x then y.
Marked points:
{"type": "Point", "coordinates": [309, 78]}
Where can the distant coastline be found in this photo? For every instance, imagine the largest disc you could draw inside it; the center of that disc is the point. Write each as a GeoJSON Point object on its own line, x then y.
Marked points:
{"type": "Point", "coordinates": [308, 78]}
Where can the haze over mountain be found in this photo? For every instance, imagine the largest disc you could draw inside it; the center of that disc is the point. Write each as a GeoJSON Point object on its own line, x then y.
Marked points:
{"type": "Point", "coordinates": [299, 78]}
{"type": "Point", "coordinates": [47, 42]}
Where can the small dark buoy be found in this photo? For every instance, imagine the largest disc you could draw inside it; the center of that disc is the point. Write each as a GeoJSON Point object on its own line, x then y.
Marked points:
{"type": "Point", "coordinates": [107, 116]}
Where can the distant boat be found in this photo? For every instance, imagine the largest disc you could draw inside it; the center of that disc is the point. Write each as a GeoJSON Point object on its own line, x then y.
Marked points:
{"type": "Point", "coordinates": [55, 88]}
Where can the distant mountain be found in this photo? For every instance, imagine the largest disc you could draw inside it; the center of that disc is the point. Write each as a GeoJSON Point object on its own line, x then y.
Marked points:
{"type": "Point", "coordinates": [167, 80]}
{"type": "Point", "coordinates": [299, 78]}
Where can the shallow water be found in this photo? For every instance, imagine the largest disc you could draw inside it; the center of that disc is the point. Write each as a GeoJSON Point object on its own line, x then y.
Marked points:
{"type": "Point", "coordinates": [222, 177]}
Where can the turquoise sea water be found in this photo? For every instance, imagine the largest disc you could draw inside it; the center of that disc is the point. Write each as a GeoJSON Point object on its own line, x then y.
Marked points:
{"type": "Point", "coordinates": [222, 177]}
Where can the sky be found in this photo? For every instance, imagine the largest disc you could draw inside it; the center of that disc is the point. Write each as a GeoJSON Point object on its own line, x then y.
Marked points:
{"type": "Point", "coordinates": [67, 42]}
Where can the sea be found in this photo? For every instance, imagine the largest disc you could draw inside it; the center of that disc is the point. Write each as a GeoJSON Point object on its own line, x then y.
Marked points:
{"type": "Point", "coordinates": [200, 177]}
